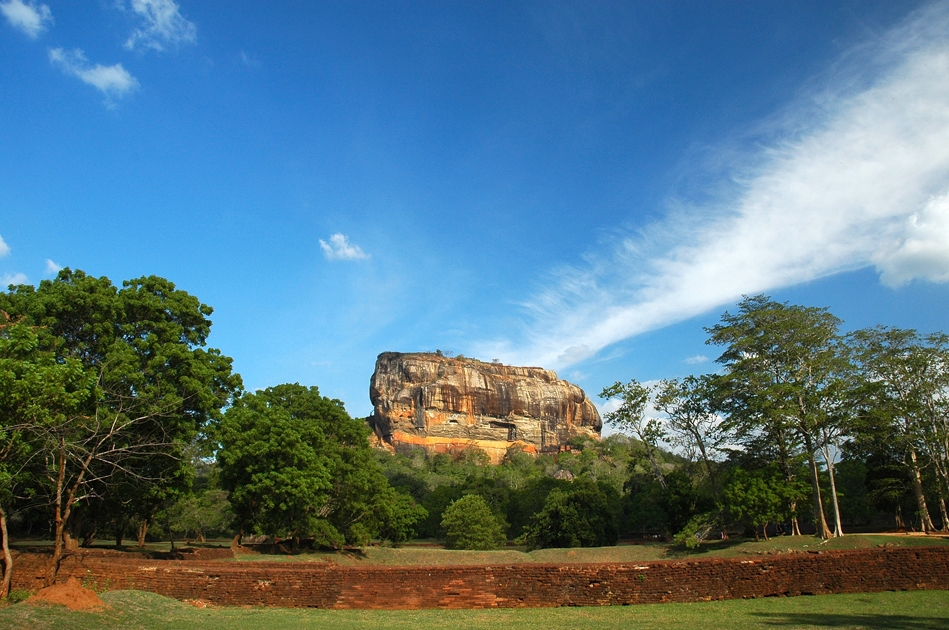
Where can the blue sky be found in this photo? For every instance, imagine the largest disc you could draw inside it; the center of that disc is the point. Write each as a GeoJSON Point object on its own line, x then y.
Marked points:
{"type": "Point", "coordinates": [577, 185]}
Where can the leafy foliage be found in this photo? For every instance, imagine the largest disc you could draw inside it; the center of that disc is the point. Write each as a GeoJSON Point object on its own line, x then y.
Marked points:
{"type": "Point", "coordinates": [297, 465]}
{"type": "Point", "coordinates": [470, 524]}
{"type": "Point", "coordinates": [147, 391]}
{"type": "Point", "coordinates": [586, 514]}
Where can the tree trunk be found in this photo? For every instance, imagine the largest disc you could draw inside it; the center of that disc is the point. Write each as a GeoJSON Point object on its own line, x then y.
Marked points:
{"type": "Point", "coordinates": [820, 521]}
{"type": "Point", "coordinates": [142, 530]}
{"type": "Point", "coordinates": [236, 541]}
{"type": "Point", "coordinates": [708, 465]}
{"type": "Point", "coordinates": [7, 556]}
{"type": "Point", "coordinates": [89, 537]}
{"type": "Point", "coordinates": [926, 522]}
{"type": "Point", "coordinates": [835, 506]}
{"type": "Point", "coordinates": [70, 543]}
{"type": "Point", "coordinates": [63, 513]}
{"type": "Point", "coordinates": [943, 476]}
{"type": "Point", "coordinates": [60, 521]}
{"type": "Point", "coordinates": [171, 536]}
{"type": "Point", "coordinates": [655, 465]}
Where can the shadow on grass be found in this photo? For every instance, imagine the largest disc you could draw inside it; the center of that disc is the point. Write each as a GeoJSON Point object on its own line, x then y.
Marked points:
{"type": "Point", "coordinates": [709, 548]}
{"type": "Point", "coordinates": [867, 622]}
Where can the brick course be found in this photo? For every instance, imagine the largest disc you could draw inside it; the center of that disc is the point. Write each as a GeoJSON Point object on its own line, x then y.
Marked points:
{"type": "Point", "coordinates": [324, 585]}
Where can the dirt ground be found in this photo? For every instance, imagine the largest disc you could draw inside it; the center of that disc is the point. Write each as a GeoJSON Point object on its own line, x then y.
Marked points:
{"type": "Point", "coordinates": [71, 594]}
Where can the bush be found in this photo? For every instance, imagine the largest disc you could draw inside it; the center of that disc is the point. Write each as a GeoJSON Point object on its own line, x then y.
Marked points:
{"type": "Point", "coordinates": [696, 530]}
{"type": "Point", "coordinates": [585, 514]}
{"type": "Point", "coordinates": [470, 524]}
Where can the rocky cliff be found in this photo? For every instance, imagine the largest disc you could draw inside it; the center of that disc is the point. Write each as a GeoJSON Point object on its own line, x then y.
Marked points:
{"type": "Point", "coordinates": [449, 404]}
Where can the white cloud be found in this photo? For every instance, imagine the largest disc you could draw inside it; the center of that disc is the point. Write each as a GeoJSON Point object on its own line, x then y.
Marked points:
{"type": "Point", "coordinates": [162, 25]}
{"type": "Point", "coordinates": [4, 248]}
{"type": "Point", "coordinates": [339, 248]}
{"type": "Point", "coordinates": [113, 81]}
{"type": "Point", "coordinates": [28, 17]}
{"type": "Point", "coordinates": [699, 358]}
{"type": "Point", "coordinates": [575, 353]}
{"type": "Point", "coordinates": [52, 268]}
{"type": "Point", "coordinates": [8, 279]}
{"type": "Point", "coordinates": [854, 179]}
{"type": "Point", "coordinates": [921, 249]}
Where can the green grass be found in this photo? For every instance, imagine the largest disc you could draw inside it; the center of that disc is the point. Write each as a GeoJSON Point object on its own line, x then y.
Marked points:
{"type": "Point", "coordinates": [429, 556]}
{"type": "Point", "coordinates": [918, 610]}
{"type": "Point", "coordinates": [426, 554]}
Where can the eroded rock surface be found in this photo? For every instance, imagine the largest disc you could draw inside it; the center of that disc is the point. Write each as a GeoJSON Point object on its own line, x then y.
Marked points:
{"type": "Point", "coordinates": [447, 404]}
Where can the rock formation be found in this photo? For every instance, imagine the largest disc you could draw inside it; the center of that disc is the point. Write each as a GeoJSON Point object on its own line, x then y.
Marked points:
{"type": "Point", "coordinates": [442, 404]}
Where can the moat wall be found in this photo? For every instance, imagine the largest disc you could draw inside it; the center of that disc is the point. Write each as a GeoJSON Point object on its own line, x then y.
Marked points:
{"type": "Point", "coordinates": [324, 585]}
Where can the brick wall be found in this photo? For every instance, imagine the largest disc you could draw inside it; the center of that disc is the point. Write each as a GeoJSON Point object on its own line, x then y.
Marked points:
{"type": "Point", "coordinates": [504, 586]}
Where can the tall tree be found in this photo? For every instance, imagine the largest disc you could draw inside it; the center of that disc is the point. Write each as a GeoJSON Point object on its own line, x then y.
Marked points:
{"type": "Point", "coordinates": [692, 421]}
{"type": "Point", "coordinates": [908, 380]}
{"type": "Point", "coordinates": [154, 386]}
{"type": "Point", "coordinates": [297, 465]}
{"type": "Point", "coordinates": [631, 417]}
{"type": "Point", "coordinates": [35, 390]}
{"type": "Point", "coordinates": [783, 367]}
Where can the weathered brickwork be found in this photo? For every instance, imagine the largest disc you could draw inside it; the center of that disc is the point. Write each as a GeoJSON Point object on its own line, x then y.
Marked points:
{"type": "Point", "coordinates": [323, 585]}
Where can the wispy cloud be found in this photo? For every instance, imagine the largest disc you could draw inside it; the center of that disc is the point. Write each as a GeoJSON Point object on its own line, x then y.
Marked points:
{"type": "Point", "coordinates": [29, 17]}
{"type": "Point", "coordinates": [16, 278]}
{"type": "Point", "coordinates": [250, 60]}
{"type": "Point", "coordinates": [853, 176]}
{"type": "Point", "coordinates": [4, 248]}
{"type": "Point", "coordinates": [113, 81]}
{"type": "Point", "coordinates": [161, 25]}
{"type": "Point", "coordinates": [339, 248]}
{"type": "Point", "coordinates": [52, 268]}
{"type": "Point", "coordinates": [699, 358]}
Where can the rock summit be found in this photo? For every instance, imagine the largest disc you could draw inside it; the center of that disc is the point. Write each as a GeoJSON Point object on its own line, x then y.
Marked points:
{"type": "Point", "coordinates": [446, 405]}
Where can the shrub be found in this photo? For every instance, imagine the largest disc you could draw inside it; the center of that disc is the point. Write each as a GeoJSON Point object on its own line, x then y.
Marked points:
{"type": "Point", "coordinates": [585, 514]}
{"type": "Point", "coordinates": [470, 524]}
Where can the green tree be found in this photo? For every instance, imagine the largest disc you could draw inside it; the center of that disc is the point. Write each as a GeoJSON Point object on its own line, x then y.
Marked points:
{"type": "Point", "coordinates": [297, 465]}
{"type": "Point", "coordinates": [907, 380]}
{"type": "Point", "coordinates": [273, 461]}
{"type": "Point", "coordinates": [631, 418]}
{"type": "Point", "coordinates": [202, 514]}
{"type": "Point", "coordinates": [692, 422]}
{"type": "Point", "coordinates": [584, 514]}
{"type": "Point", "coordinates": [786, 372]}
{"type": "Point", "coordinates": [469, 524]}
{"type": "Point", "coordinates": [399, 517]}
{"type": "Point", "coordinates": [34, 389]}
{"type": "Point", "coordinates": [153, 387]}
{"type": "Point", "coordinates": [760, 497]}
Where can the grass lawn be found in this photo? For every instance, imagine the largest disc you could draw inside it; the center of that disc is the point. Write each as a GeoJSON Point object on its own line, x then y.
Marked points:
{"type": "Point", "coordinates": [427, 555]}
{"type": "Point", "coordinates": [918, 610]}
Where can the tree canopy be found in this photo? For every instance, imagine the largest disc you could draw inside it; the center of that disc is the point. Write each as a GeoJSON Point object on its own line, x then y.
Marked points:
{"type": "Point", "coordinates": [141, 387]}
{"type": "Point", "coordinates": [297, 465]}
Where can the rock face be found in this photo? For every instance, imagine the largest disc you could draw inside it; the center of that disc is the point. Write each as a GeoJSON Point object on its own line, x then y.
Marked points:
{"type": "Point", "coordinates": [442, 404]}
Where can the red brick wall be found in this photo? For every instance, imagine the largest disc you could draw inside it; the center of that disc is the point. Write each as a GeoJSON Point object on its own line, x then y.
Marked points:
{"type": "Point", "coordinates": [505, 586]}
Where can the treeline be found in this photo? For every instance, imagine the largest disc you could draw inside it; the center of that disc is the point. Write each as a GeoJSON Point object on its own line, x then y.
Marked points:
{"type": "Point", "coordinates": [802, 429]}
{"type": "Point", "coordinates": [117, 422]}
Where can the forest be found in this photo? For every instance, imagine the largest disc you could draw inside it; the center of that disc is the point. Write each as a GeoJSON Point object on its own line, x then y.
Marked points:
{"type": "Point", "coordinates": [118, 423]}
